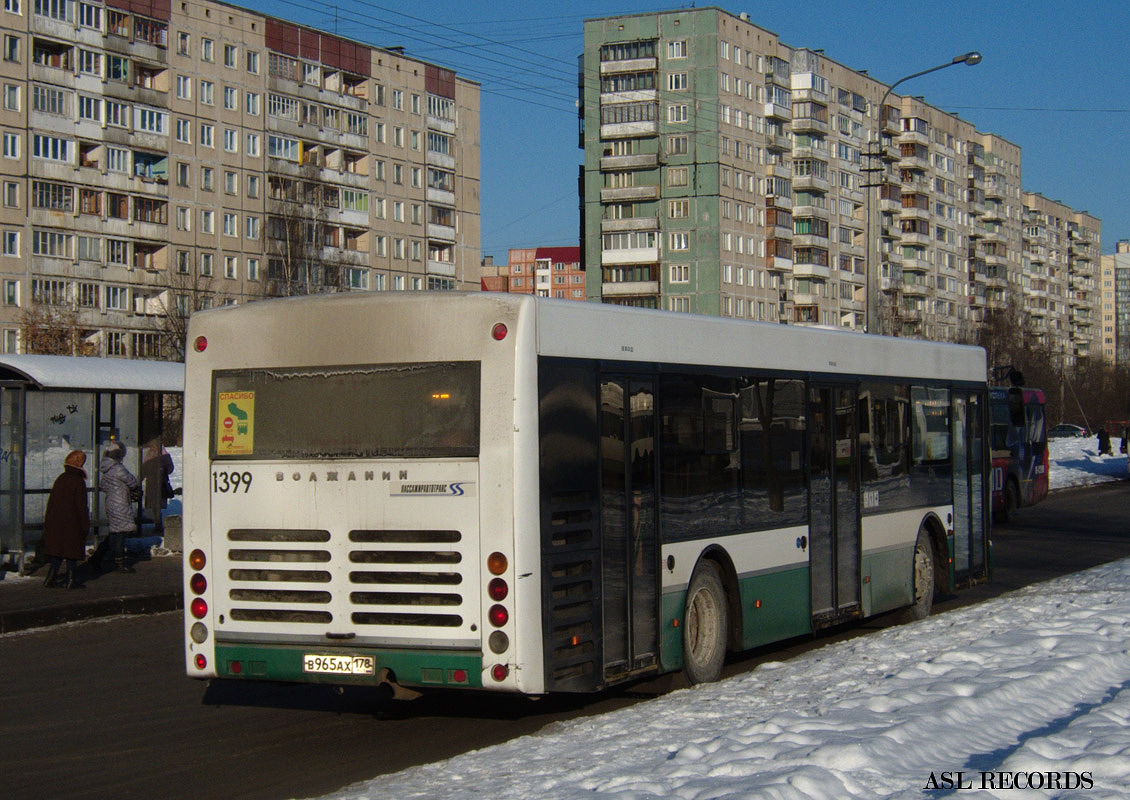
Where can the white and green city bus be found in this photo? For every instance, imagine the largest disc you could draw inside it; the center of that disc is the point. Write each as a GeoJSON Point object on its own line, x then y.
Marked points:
{"type": "Point", "coordinates": [526, 495]}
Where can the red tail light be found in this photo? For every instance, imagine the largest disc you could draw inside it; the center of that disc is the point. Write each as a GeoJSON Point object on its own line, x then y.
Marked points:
{"type": "Point", "coordinates": [199, 608]}
{"type": "Point", "coordinates": [200, 661]}
{"type": "Point", "coordinates": [498, 615]}
{"type": "Point", "coordinates": [198, 583]}
{"type": "Point", "coordinates": [499, 672]}
{"type": "Point", "coordinates": [497, 589]}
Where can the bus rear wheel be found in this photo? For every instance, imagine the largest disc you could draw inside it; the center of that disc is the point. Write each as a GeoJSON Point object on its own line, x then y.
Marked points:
{"type": "Point", "coordinates": [705, 622]}
{"type": "Point", "coordinates": [923, 579]}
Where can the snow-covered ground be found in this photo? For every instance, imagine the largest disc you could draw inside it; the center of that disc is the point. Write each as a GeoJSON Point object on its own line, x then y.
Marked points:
{"type": "Point", "coordinates": [1024, 696]}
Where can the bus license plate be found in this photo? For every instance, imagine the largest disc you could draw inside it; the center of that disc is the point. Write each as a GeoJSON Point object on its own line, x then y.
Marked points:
{"type": "Point", "coordinates": [337, 665]}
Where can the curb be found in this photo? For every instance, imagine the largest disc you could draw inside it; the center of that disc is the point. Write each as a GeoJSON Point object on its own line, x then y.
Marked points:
{"type": "Point", "coordinates": [110, 607]}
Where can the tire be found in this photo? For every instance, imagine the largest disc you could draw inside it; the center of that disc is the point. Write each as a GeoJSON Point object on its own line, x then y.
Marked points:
{"type": "Point", "coordinates": [1010, 503]}
{"type": "Point", "coordinates": [705, 623]}
{"type": "Point", "coordinates": [922, 578]}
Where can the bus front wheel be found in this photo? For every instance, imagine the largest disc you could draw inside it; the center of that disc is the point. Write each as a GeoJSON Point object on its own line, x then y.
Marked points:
{"type": "Point", "coordinates": [923, 579]}
{"type": "Point", "coordinates": [705, 622]}
{"type": "Point", "coordinates": [1009, 503]}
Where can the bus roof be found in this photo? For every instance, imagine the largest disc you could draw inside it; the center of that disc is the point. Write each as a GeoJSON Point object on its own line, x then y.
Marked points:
{"type": "Point", "coordinates": [575, 329]}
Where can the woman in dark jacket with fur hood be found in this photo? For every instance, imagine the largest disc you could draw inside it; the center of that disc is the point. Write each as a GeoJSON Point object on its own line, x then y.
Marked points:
{"type": "Point", "coordinates": [66, 523]}
{"type": "Point", "coordinates": [122, 491]}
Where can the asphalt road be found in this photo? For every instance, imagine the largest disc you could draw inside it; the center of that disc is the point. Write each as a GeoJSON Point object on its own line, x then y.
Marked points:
{"type": "Point", "coordinates": [103, 709]}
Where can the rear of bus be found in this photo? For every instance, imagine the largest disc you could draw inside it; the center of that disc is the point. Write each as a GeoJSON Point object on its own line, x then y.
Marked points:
{"type": "Point", "coordinates": [350, 491]}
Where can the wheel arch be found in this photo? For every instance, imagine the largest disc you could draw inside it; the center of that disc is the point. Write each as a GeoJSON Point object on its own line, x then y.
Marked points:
{"type": "Point", "coordinates": [729, 575]}
{"type": "Point", "coordinates": [939, 544]}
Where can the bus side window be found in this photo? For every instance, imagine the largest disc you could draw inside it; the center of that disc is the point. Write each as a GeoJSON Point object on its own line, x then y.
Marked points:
{"type": "Point", "coordinates": [1036, 424]}
{"type": "Point", "coordinates": [1016, 407]}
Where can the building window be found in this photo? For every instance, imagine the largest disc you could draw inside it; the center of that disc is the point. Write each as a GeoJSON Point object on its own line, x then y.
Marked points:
{"type": "Point", "coordinates": [11, 243]}
{"type": "Point", "coordinates": [12, 48]}
{"type": "Point", "coordinates": [677, 176]}
{"type": "Point", "coordinates": [677, 112]}
{"type": "Point", "coordinates": [679, 241]}
{"type": "Point", "coordinates": [253, 62]}
{"type": "Point", "coordinates": [677, 49]}
{"type": "Point", "coordinates": [230, 55]}
{"type": "Point", "coordinates": [207, 50]}
{"type": "Point", "coordinates": [231, 267]}
{"type": "Point", "coordinates": [252, 269]}
{"type": "Point", "coordinates": [206, 264]}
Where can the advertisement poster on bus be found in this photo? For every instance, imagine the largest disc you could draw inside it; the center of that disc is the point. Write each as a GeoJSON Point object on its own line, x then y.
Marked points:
{"type": "Point", "coordinates": [235, 424]}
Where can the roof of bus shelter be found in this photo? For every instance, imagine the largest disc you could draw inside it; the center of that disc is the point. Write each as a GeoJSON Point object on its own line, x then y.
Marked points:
{"type": "Point", "coordinates": [93, 374]}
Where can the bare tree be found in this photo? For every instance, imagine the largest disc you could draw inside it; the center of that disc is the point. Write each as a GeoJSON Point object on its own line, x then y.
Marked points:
{"type": "Point", "coordinates": [297, 228]}
{"type": "Point", "coordinates": [53, 329]}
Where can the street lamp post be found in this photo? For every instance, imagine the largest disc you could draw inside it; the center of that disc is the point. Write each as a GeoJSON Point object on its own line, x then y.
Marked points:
{"type": "Point", "coordinates": [875, 183]}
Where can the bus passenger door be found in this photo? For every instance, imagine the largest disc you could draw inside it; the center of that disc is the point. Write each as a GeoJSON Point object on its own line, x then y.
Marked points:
{"type": "Point", "coordinates": [968, 485]}
{"type": "Point", "coordinates": [628, 525]}
{"type": "Point", "coordinates": [834, 520]}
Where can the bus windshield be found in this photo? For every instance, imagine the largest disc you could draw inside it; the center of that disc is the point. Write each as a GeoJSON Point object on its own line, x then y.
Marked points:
{"type": "Point", "coordinates": [428, 410]}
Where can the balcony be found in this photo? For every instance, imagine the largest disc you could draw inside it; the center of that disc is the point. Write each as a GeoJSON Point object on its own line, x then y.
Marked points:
{"type": "Point", "coordinates": [810, 183]}
{"type": "Point", "coordinates": [637, 255]}
{"type": "Point", "coordinates": [445, 233]}
{"type": "Point", "coordinates": [620, 130]}
{"type": "Point", "coordinates": [620, 163]}
{"type": "Point", "coordinates": [778, 142]}
{"type": "Point", "coordinates": [630, 288]}
{"type": "Point", "coordinates": [629, 65]}
{"type": "Point", "coordinates": [809, 125]}
{"type": "Point", "coordinates": [441, 197]}
{"type": "Point", "coordinates": [440, 124]}
{"type": "Point", "coordinates": [778, 263]}
{"type": "Point", "coordinates": [810, 240]}
{"type": "Point", "coordinates": [629, 194]}
{"type": "Point", "coordinates": [445, 269]}
{"type": "Point", "coordinates": [811, 271]}
{"type": "Point", "coordinates": [774, 111]}
{"type": "Point", "coordinates": [779, 171]}
{"type": "Point", "coordinates": [915, 162]}
{"type": "Point", "coordinates": [631, 224]}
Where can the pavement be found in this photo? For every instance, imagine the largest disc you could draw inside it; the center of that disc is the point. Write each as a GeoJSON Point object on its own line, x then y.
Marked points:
{"type": "Point", "coordinates": [156, 585]}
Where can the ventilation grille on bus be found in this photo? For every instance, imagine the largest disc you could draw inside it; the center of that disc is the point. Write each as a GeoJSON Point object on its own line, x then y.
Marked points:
{"type": "Point", "coordinates": [572, 562]}
{"type": "Point", "coordinates": [394, 577]}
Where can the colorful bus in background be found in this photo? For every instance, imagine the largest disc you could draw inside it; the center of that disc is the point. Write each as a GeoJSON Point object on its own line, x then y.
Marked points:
{"type": "Point", "coordinates": [1019, 436]}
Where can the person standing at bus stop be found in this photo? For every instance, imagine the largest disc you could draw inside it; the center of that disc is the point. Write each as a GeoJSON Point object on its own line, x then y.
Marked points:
{"type": "Point", "coordinates": [156, 468]}
{"type": "Point", "coordinates": [66, 522]}
{"type": "Point", "coordinates": [122, 491]}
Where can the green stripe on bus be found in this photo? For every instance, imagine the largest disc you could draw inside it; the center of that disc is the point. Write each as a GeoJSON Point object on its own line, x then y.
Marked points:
{"type": "Point", "coordinates": [775, 606]}
{"type": "Point", "coordinates": [411, 667]}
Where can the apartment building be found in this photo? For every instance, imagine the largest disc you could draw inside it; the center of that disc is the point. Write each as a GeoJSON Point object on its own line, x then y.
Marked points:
{"type": "Point", "coordinates": [160, 157]}
{"type": "Point", "coordinates": [546, 272]}
{"type": "Point", "coordinates": [1060, 291]}
{"type": "Point", "coordinates": [1115, 291]}
{"type": "Point", "coordinates": [731, 174]}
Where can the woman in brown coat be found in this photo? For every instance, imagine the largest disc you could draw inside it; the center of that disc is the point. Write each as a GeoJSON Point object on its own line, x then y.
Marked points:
{"type": "Point", "coordinates": [66, 522]}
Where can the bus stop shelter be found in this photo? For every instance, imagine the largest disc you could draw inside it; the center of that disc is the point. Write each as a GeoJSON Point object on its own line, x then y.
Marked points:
{"type": "Point", "coordinates": [50, 405]}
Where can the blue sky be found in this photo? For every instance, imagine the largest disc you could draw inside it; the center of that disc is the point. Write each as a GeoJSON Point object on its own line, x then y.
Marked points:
{"type": "Point", "coordinates": [1055, 80]}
